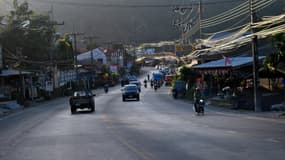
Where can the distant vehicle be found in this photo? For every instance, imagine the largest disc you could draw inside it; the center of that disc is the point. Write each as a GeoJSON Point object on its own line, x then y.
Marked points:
{"type": "Point", "coordinates": [130, 91]}
{"type": "Point", "coordinates": [157, 76]}
{"type": "Point", "coordinates": [82, 99]}
{"type": "Point", "coordinates": [165, 70]}
{"type": "Point", "coordinates": [128, 79]}
{"type": "Point", "coordinates": [132, 78]}
{"type": "Point", "coordinates": [168, 79]}
{"type": "Point", "coordinates": [106, 88]}
{"type": "Point", "coordinates": [179, 88]}
{"type": "Point", "coordinates": [137, 83]}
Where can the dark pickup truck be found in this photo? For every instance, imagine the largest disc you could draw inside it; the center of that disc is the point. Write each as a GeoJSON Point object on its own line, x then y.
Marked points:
{"type": "Point", "coordinates": [82, 99]}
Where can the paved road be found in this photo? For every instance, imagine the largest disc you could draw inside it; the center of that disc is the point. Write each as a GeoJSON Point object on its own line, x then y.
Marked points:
{"type": "Point", "coordinates": [155, 128]}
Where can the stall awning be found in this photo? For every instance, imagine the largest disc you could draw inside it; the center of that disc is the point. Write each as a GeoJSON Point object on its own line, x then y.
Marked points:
{"type": "Point", "coordinates": [225, 65]}
{"type": "Point", "coordinates": [12, 72]}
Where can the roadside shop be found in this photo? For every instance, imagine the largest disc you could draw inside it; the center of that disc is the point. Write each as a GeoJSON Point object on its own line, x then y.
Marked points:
{"type": "Point", "coordinates": [229, 80]}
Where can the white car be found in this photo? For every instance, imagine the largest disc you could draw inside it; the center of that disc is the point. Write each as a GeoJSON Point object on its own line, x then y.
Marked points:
{"type": "Point", "coordinates": [137, 83]}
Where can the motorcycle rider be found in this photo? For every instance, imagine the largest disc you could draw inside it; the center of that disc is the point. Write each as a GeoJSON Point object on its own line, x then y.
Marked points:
{"type": "Point", "coordinates": [155, 85]}
{"type": "Point", "coordinates": [106, 88]}
{"type": "Point", "coordinates": [197, 96]}
{"type": "Point", "coordinates": [145, 83]}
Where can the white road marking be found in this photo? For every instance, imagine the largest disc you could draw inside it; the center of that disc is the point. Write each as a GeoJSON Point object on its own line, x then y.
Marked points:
{"type": "Point", "coordinates": [272, 140]}
{"type": "Point", "coordinates": [231, 132]}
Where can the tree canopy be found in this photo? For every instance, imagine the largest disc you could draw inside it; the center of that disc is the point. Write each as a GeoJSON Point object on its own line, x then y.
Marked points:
{"type": "Point", "coordinates": [27, 35]}
{"type": "Point", "coordinates": [273, 60]}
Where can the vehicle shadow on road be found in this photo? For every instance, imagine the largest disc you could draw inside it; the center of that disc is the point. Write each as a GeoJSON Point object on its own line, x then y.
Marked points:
{"type": "Point", "coordinates": [83, 112]}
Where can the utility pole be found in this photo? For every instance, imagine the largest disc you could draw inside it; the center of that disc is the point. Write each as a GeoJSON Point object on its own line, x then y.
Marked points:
{"type": "Point", "coordinates": [257, 100]}
{"type": "Point", "coordinates": [90, 40]}
{"type": "Point", "coordinates": [200, 18]}
{"type": "Point", "coordinates": [53, 66]}
{"type": "Point", "coordinates": [200, 29]}
{"type": "Point", "coordinates": [74, 34]}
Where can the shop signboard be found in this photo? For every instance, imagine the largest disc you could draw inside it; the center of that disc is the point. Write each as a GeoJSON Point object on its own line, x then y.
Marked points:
{"type": "Point", "coordinates": [183, 49]}
{"type": "Point", "coordinates": [114, 68]}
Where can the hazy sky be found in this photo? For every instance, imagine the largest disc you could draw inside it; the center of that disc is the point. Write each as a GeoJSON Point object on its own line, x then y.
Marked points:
{"type": "Point", "coordinates": [111, 21]}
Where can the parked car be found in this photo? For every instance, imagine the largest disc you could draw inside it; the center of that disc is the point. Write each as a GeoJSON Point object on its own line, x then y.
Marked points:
{"type": "Point", "coordinates": [82, 99]}
{"type": "Point", "coordinates": [278, 107]}
{"type": "Point", "coordinates": [137, 83]}
{"type": "Point", "coordinates": [179, 88]}
{"type": "Point", "coordinates": [130, 91]}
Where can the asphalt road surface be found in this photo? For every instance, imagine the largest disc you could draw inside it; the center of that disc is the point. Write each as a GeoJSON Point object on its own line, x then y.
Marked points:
{"type": "Point", "coordinates": [154, 128]}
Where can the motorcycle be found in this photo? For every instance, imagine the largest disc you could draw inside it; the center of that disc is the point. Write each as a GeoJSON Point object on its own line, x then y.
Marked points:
{"type": "Point", "coordinates": [155, 87]}
{"type": "Point", "coordinates": [145, 85]}
{"type": "Point", "coordinates": [106, 89]}
{"type": "Point", "coordinates": [199, 106]}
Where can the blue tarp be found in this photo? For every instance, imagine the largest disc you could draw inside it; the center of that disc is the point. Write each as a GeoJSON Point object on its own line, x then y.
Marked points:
{"type": "Point", "coordinates": [236, 62]}
{"type": "Point", "coordinates": [157, 75]}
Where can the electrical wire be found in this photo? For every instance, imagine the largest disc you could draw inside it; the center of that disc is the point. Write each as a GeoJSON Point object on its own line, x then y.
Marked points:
{"type": "Point", "coordinates": [226, 13]}
{"type": "Point", "coordinates": [240, 41]}
{"type": "Point", "coordinates": [243, 7]}
{"type": "Point", "coordinates": [193, 30]}
{"type": "Point", "coordinates": [106, 5]}
{"type": "Point", "coordinates": [213, 22]}
{"type": "Point", "coordinates": [230, 17]}
{"type": "Point", "coordinates": [185, 19]}
{"type": "Point", "coordinates": [231, 28]}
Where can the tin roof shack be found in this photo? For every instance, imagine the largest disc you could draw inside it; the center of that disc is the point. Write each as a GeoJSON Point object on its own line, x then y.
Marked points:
{"type": "Point", "coordinates": [230, 80]}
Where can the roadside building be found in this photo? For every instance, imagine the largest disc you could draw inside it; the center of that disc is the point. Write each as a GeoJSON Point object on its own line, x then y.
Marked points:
{"type": "Point", "coordinates": [91, 57]}
{"type": "Point", "coordinates": [16, 85]}
{"type": "Point", "coordinates": [230, 79]}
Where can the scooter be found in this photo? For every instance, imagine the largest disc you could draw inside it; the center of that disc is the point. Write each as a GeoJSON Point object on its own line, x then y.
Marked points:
{"type": "Point", "coordinates": [106, 89]}
{"type": "Point", "coordinates": [200, 104]}
{"type": "Point", "coordinates": [151, 84]}
{"type": "Point", "coordinates": [155, 87]}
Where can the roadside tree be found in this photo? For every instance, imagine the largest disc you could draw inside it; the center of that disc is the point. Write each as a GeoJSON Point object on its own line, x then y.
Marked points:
{"type": "Point", "coordinates": [273, 60]}
{"type": "Point", "coordinates": [26, 34]}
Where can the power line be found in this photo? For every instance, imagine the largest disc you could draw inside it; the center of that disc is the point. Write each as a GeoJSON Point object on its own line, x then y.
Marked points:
{"type": "Point", "coordinates": [235, 13]}
{"type": "Point", "coordinates": [242, 6]}
{"type": "Point", "coordinates": [226, 13]}
{"type": "Point", "coordinates": [106, 5]}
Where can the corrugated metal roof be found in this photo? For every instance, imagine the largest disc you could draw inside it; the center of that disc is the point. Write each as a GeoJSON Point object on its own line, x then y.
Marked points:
{"type": "Point", "coordinates": [235, 63]}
